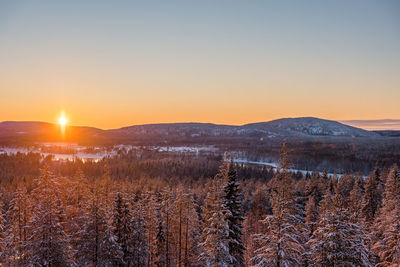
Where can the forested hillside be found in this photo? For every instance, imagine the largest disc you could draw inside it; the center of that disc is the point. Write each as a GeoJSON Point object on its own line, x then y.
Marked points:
{"type": "Point", "coordinates": [186, 212]}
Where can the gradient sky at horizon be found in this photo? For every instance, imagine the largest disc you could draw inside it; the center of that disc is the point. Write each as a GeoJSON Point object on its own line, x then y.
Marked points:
{"type": "Point", "coordinates": [110, 64]}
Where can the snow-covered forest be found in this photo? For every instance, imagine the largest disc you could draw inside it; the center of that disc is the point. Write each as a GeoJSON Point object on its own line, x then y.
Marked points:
{"type": "Point", "coordinates": [89, 218]}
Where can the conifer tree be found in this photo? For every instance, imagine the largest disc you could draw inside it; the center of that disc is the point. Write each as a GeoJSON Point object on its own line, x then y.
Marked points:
{"type": "Point", "coordinates": [76, 200]}
{"type": "Point", "coordinates": [96, 244]}
{"type": "Point", "coordinates": [3, 246]}
{"type": "Point", "coordinates": [337, 241]}
{"type": "Point", "coordinates": [215, 236]}
{"type": "Point", "coordinates": [121, 227]}
{"type": "Point", "coordinates": [232, 202]}
{"type": "Point", "coordinates": [387, 224]}
{"type": "Point", "coordinates": [311, 213]}
{"type": "Point", "coordinates": [356, 196]}
{"type": "Point", "coordinates": [16, 236]}
{"type": "Point", "coordinates": [259, 208]}
{"type": "Point", "coordinates": [372, 197]}
{"type": "Point", "coordinates": [282, 242]}
{"type": "Point", "coordinates": [48, 243]}
{"type": "Point", "coordinates": [160, 259]}
{"type": "Point", "coordinates": [139, 243]}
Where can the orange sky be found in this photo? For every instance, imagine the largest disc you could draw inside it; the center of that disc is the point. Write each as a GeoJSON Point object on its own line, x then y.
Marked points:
{"type": "Point", "coordinates": [109, 67]}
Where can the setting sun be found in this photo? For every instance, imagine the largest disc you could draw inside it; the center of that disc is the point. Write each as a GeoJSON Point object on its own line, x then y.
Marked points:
{"type": "Point", "coordinates": [62, 120]}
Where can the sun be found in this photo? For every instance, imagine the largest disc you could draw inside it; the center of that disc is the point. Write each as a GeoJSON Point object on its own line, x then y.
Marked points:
{"type": "Point", "coordinates": [62, 120]}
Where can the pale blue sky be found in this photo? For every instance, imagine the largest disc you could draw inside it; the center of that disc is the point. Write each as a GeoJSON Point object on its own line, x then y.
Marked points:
{"type": "Point", "coordinates": [115, 63]}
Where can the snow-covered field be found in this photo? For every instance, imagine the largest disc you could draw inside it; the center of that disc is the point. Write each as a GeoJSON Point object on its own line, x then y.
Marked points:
{"type": "Point", "coordinates": [74, 151]}
{"type": "Point", "coordinates": [57, 156]}
{"type": "Point", "coordinates": [275, 165]}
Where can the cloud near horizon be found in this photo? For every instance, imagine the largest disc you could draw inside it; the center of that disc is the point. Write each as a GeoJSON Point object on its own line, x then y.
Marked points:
{"type": "Point", "coordinates": [387, 124]}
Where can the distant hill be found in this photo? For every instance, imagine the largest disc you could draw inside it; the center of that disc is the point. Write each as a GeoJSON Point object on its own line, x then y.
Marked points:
{"type": "Point", "coordinates": [32, 131]}
{"type": "Point", "coordinates": [305, 127]}
{"type": "Point", "coordinates": [311, 126]}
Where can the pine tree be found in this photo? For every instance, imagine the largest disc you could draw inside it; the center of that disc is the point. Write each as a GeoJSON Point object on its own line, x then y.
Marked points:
{"type": "Point", "coordinates": [76, 200]}
{"type": "Point", "coordinates": [372, 197]}
{"type": "Point", "coordinates": [259, 208]}
{"type": "Point", "coordinates": [150, 206]}
{"type": "Point", "coordinates": [311, 213]}
{"type": "Point", "coordinates": [187, 230]}
{"type": "Point", "coordinates": [337, 241]}
{"type": "Point", "coordinates": [121, 227]}
{"type": "Point", "coordinates": [388, 249]}
{"type": "Point", "coordinates": [215, 236]}
{"type": "Point", "coordinates": [139, 243]}
{"type": "Point", "coordinates": [48, 243]}
{"type": "Point", "coordinates": [3, 241]}
{"type": "Point", "coordinates": [96, 244]}
{"type": "Point", "coordinates": [282, 243]}
{"type": "Point", "coordinates": [356, 196]}
{"type": "Point", "coordinates": [344, 187]}
{"type": "Point", "coordinates": [160, 259]}
{"type": "Point", "coordinates": [233, 203]}
{"type": "Point", "coordinates": [192, 232]}
{"type": "Point", "coordinates": [17, 235]}
{"type": "Point", "coordinates": [387, 224]}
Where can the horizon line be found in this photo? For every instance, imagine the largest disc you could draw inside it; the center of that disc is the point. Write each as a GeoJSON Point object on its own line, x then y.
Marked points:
{"type": "Point", "coordinates": [365, 124]}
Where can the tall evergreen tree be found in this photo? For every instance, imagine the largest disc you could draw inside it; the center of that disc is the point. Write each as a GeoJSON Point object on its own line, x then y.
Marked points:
{"type": "Point", "coordinates": [215, 236]}
{"type": "Point", "coordinates": [16, 236]}
{"type": "Point", "coordinates": [282, 243]}
{"type": "Point", "coordinates": [387, 224]}
{"type": "Point", "coordinates": [232, 202]}
{"type": "Point", "coordinates": [3, 246]}
{"type": "Point", "coordinates": [96, 244]}
{"type": "Point", "coordinates": [372, 197]}
{"type": "Point", "coordinates": [356, 197]}
{"type": "Point", "coordinates": [139, 243]}
{"type": "Point", "coordinates": [121, 225]}
{"type": "Point", "coordinates": [48, 243]}
{"type": "Point", "coordinates": [160, 259]}
{"type": "Point", "coordinates": [311, 213]}
{"type": "Point", "coordinates": [337, 241]}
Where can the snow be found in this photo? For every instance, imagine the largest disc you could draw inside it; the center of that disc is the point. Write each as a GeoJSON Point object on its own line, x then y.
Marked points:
{"type": "Point", "coordinates": [78, 151]}
{"type": "Point", "coordinates": [275, 165]}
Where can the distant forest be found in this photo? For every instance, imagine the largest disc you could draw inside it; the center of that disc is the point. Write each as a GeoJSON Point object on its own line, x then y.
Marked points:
{"type": "Point", "coordinates": [165, 210]}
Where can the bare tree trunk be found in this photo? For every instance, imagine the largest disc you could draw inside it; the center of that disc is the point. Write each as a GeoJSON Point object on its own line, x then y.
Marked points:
{"type": "Point", "coordinates": [186, 242]}
{"type": "Point", "coordinates": [180, 237]}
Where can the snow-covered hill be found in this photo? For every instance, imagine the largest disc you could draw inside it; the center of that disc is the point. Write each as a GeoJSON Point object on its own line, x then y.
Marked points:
{"type": "Point", "coordinates": [289, 127]}
{"type": "Point", "coordinates": [311, 126]}
{"type": "Point", "coordinates": [300, 127]}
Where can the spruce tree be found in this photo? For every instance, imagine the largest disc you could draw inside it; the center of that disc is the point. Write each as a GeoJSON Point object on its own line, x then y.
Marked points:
{"type": "Point", "coordinates": [96, 244]}
{"type": "Point", "coordinates": [372, 197]}
{"type": "Point", "coordinates": [232, 202]}
{"type": "Point", "coordinates": [121, 225]}
{"type": "Point", "coordinates": [48, 243]}
{"type": "Point", "coordinates": [3, 242]}
{"type": "Point", "coordinates": [215, 235]}
{"type": "Point", "coordinates": [139, 243]}
{"type": "Point", "coordinates": [16, 236]}
{"type": "Point", "coordinates": [337, 241]}
{"type": "Point", "coordinates": [282, 242]}
{"type": "Point", "coordinates": [387, 224]}
{"type": "Point", "coordinates": [159, 258]}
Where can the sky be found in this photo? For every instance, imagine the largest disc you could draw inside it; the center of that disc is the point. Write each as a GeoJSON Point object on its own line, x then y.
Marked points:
{"type": "Point", "coordinates": [110, 64]}
{"type": "Point", "coordinates": [375, 124]}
